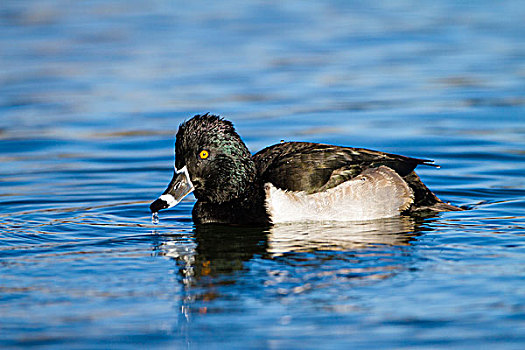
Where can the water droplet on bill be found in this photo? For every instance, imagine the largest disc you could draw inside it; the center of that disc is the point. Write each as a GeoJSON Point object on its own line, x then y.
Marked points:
{"type": "Point", "coordinates": [155, 218]}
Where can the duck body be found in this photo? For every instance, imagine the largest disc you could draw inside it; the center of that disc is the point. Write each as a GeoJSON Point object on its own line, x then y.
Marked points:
{"type": "Point", "coordinates": [290, 181]}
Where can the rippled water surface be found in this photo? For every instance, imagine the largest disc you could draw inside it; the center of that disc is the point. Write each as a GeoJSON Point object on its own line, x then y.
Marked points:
{"type": "Point", "coordinates": [92, 92]}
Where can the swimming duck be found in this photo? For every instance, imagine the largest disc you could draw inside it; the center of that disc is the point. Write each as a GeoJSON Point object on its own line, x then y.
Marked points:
{"type": "Point", "coordinates": [289, 181]}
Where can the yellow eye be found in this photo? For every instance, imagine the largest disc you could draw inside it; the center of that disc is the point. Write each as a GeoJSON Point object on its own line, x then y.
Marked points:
{"type": "Point", "coordinates": [204, 154]}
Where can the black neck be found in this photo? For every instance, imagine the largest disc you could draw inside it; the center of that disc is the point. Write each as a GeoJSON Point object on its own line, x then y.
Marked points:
{"type": "Point", "coordinates": [248, 209]}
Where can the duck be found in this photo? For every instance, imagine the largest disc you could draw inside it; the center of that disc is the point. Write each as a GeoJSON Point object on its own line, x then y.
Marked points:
{"type": "Point", "coordinates": [289, 181]}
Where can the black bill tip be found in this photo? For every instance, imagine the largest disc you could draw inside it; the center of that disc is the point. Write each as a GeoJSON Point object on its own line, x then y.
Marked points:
{"type": "Point", "coordinates": [157, 205]}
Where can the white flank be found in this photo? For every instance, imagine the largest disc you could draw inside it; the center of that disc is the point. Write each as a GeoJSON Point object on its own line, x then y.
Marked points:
{"type": "Point", "coordinates": [376, 193]}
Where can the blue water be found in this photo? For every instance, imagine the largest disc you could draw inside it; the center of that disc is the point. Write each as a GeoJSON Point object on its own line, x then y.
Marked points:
{"type": "Point", "coordinates": [92, 92]}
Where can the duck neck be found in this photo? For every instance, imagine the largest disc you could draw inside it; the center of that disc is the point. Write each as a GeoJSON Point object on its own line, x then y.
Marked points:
{"type": "Point", "coordinates": [246, 209]}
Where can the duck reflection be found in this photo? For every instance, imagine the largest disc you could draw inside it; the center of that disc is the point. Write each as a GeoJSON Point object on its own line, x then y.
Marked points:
{"type": "Point", "coordinates": [340, 236]}
{"type": "Point", "coordinates": [222, 250]}
{"type": "Point", "coordinates": [216, 251]}
{"type": "Point", "coordinates": [225, 261]}
{"type": "Point", "coordinates": [211, 260]}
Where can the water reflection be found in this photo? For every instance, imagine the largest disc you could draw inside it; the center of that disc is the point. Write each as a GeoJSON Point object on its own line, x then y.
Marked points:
{"type": "Point", "coordinates": [214, 249]}
{"type": "Point", "coordinates": [218, 263]}
{"type": "Point", "coordinates": [302, 237]}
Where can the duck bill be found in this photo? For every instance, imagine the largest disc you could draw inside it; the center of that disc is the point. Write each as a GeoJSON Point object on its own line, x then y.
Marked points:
{"type": "Point", "coordinates": [179, 187]}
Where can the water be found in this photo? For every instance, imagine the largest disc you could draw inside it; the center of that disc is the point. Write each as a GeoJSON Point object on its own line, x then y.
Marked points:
{"type": "Point", "coordinates": [91, 94]}
{"type": "Point", "coordinates": [155, 217]}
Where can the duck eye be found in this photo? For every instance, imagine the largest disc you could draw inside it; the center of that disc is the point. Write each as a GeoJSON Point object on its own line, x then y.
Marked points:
{"type": "Point", "coordinates": [204, 154]}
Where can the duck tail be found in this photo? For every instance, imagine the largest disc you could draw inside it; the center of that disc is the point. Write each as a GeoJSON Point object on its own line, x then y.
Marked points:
{"type": "Point", "coordinates": [442, 206]}
{"type": "Point", "coordinates": [424, 198]}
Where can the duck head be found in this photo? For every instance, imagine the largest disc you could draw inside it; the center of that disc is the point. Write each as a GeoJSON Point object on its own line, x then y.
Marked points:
{"type": "Point", "coordinates": [211, 160]}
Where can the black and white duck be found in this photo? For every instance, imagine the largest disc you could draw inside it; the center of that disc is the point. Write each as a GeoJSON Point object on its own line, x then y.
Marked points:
{"type": "Point", "coordinates": [289, 181]}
